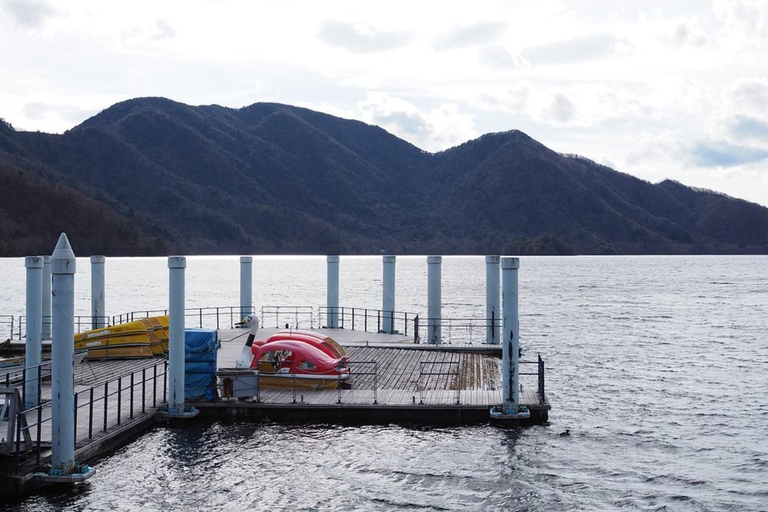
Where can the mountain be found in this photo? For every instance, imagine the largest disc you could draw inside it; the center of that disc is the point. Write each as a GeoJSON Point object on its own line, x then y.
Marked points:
{"type": "Point", "coordinates": [273, 178]}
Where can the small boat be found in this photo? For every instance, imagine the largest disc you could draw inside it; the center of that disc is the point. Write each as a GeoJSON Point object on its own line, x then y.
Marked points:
{"type": "Point", "coordinates": [324, 343]}
{"type": "Point", "coordinates": [142, 338]}
{"type": "Point", "coordinates": [285, 361]}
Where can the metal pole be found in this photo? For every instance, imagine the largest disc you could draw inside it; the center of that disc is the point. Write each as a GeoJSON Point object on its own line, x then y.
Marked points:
{"type": "Point", "coordinates": [333, 292]}
{"type": "Point", "coordinates": [34, 345]}
{"type": "Point", "coordinates": [492, 299]}
{"type": "Point", "coordinates": [434, 301]}
{"type": "Point", "coordinates": [176, 265]}
{"type": "Point", "coordinates": [46, 334]}
{"type": "Point", "coordinates": [388, 291]}
{"type": "Point", "coordinates": [62, 351]}
{"type": "Point", "coordinates": [510, 359]}
{"type": "Point", "coordinates": [246, 286]}
{"type": "Point", "coordinates": [98, 311]}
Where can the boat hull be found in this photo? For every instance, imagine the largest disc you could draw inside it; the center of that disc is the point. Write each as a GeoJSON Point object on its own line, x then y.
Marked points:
{"type": "Point", "coordinates": [139, 339]}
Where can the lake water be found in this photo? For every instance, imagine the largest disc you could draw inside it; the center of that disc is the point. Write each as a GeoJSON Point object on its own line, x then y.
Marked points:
{"type": "Point", "coordinates": [657, 365]}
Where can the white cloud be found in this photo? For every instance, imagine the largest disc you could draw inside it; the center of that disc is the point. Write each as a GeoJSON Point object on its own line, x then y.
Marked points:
{"type": "Point", "coordinates": [433, 130]}
{"type": "Point", "coordinates": [482, 32]}
{"type": "Point", "coordinates": [361, 37]}
{"type": "Point", "coordinates": [29, 13]}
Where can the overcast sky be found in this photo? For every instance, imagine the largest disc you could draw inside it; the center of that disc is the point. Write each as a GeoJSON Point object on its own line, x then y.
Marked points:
{"type": "Point", "coordinates": [672, 89]}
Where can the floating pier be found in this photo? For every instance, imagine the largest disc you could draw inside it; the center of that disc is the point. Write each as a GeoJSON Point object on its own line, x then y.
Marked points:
{"type": "Point", "coordinates": [59, 413]}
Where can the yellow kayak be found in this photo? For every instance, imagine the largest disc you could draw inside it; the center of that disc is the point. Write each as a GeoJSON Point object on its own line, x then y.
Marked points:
{"type": "Point", "coordinates": [146, 337]}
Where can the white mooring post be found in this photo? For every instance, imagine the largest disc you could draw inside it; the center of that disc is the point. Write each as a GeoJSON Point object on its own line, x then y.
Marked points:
{"type": "Point", "coordinates": [62, 352]}
{"type": "Point", "coordinates": [492, 300]}
{"type": "Point", "coordinates": [34, 346]}
{"type": "Point", "coordinates": [333, 292]}
{"type": "Point", "coordinates": [46, 335]}
{"type": "Point", "coordinates": [176, 287]}
{"type": "Point", "coordinates": [246, 286]}
{"type": "Point", "coordinates": [388, 293]}
{"type": "Point", "coordinates": [434, 299]}
{"type": "Point", "coordinates": [98, 312]}
{"type": "Point", "coordinates": [510, 408]}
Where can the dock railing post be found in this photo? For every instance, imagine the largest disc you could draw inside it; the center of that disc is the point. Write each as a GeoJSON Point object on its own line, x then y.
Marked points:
{"type": "Point", "coordinates": [33, 345]}
{"type": "Point", "coordinates": [98, 311]}
{"type": "Point", "coordinates": [388, 292]}
{"type": "Point", "coordinates": [46, 332]}
{"type": "Point", "coordinates": [434, 300]}
{"type": "Point", "coordinates": [176, 349]}
{"type": "Point", "coordinates": [63, 265]}
{"type": "Point", "coordinates": [492, 299]}
{"type": "Point", "coordinates": [246, 286]}
{"type": "Point", "coordinates": [510, 408]}
{"type": "Point", "coordinates": [332, 293]}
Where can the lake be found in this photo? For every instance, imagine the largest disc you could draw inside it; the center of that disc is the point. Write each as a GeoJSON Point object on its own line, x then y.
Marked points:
{"type": "Point", "coordinates": [656, 364]}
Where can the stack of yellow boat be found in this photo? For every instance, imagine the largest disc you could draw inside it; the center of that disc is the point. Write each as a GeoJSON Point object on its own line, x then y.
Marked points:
{"type": "Point", "coordinates": [146, 337]}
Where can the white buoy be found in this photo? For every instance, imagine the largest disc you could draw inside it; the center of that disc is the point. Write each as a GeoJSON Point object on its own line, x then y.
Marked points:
{"type": "Point", "coordinates": [34, 346]}
{"type": "Point", "coordinates": [246, 286]}
{"type": "Point", "coordinates": [333, 292]}
{"type": "Point", "coordinates": [511, 326]}
{"type": "Point", "coordinates": [46, 298]}
{"type": "Point", "coordinates": [434, 299]}
{"type": "Point", "coordinates": [492, 300]}
{"type": "Point", "coordinates": [176, 300]}
{"type": "Point", "coordinates": [62, 351]}
{"type": "Point", "coordinates": [98, 311]}
{"type": "Point", "coordinates": [388, 293]}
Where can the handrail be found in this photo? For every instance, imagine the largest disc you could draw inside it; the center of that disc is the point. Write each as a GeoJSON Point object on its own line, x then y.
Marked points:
{"type": "Point", "coordinates": [294, 314]}
{"type": "Point", "coordinates": [82, 323]}
{"type": "Point", "coordinates": [126, 384]}
{"type": "Point", "coordinates": [456, 374]}
{"type": "Point", "coordinates": [471, 329]}
{"type": "Point", "coordinates": [353, 318]}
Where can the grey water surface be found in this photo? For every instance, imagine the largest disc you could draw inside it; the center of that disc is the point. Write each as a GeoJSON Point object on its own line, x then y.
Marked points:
{"type": "Point", "coordinates": [657, 365]}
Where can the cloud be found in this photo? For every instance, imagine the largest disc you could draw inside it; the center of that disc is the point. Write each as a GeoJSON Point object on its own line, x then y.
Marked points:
{"type": "Point", "coordinates": [579, 49]}
{"type": "Point", "coordinates": [163, 30]}
{"type": "Point", "coordinates": [498, 57]}
{"type": "Point", "coordinates": [748, 128]}
{"type": "Point", "coordinates": [749, 95]}
{"type": "Point", "coordinates": [470, 35]}
{"type": "Point", "coordinates": [360, 38]}
{"type": "Point", "coordinates": [723, 154]}
{"type": "Point", "coordinates": [684, 33]}
{"type": "Point", "coordinates": [59, 115]}
{"type": "Point", "coordinates": [29, 13]}
{"type": "Point", "coordinates": [748, 18]}
{"type": "Point", "coordinates": [435, 130]}
{"type": "Point", "coordinates": [560, 110]}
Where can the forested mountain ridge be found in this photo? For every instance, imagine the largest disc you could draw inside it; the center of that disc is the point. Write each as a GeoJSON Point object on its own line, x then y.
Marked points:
{"type": "Point", "coordinates": [273, 178]}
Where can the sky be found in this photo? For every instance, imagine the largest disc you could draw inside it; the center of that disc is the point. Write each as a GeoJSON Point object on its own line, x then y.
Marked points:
{"type": "Point", "coordinates": [657, 89]}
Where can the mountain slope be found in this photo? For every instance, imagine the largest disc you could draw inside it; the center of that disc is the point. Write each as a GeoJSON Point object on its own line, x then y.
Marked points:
{"type": "Point", "coordinates": [273, 178]}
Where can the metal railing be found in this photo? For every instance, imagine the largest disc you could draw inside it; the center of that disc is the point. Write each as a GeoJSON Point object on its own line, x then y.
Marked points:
{"type": "Point", "coordinates": [227, 388]}
{"type": "Point", "coordinates": [463, 330]}
{"type": "Point", "coordinates": [294, 317]}
{"type": "Point", "coordinates": [539, 374]}
{"type": "Point", "coordinates": [114, 396]}
{"type": "Point", "coordinates": [431, 372]}
{"type": "Point", "coordinates": [6, 327]}
{"type": "Point", "coordinates": [222, 317]}
{"type": "Point", "coordinates": [82, 323]}
{"type": "Point", "coordinates": [370, 320]}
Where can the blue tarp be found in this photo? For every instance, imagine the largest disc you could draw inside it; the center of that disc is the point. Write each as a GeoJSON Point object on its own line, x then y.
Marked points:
{"type": "Point", "coordinates": [200, 350]}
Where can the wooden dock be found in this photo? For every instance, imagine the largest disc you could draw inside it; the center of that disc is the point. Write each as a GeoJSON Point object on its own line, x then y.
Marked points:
{"type": "Point", "coordinates": [412, 383]}
{"type": "Point", "coordinates": [115, 400]}
{"type": "Point", "coordinates": [393, 381]}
